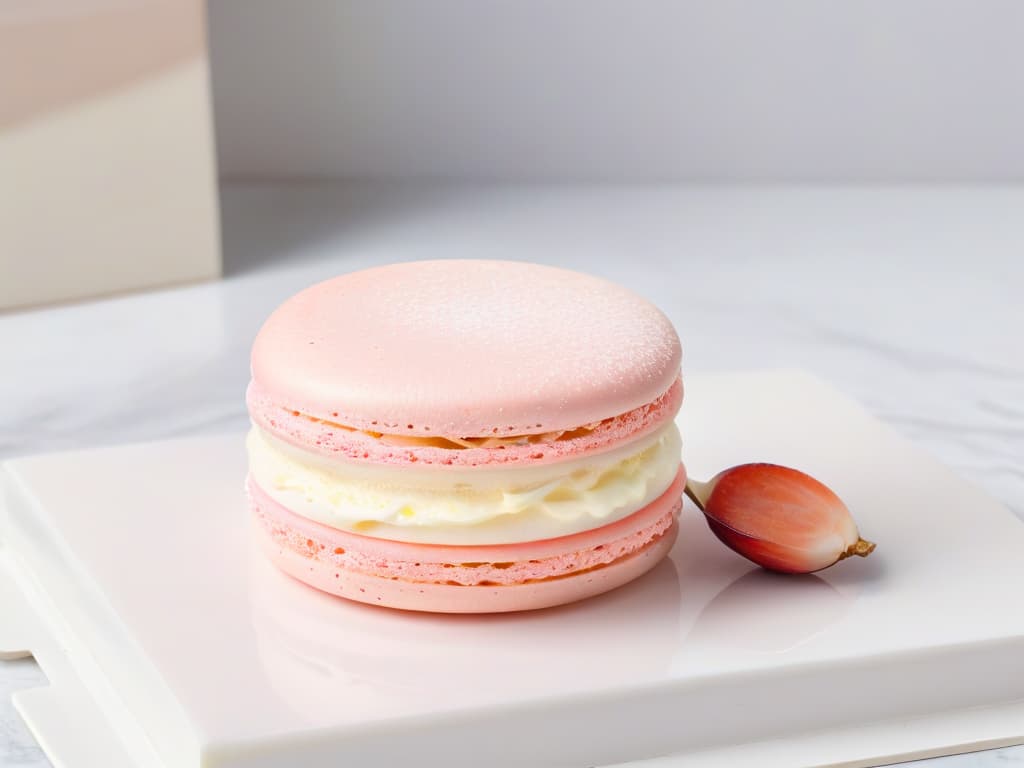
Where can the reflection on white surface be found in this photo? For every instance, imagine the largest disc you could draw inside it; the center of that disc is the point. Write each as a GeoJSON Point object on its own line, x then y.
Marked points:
{"type": "Point", "coordinates": [768, 613]}
{"type": "Point", "coordinates": [328, 658]}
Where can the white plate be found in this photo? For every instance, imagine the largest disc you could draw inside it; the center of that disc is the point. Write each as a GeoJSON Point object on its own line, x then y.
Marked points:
{"type": "Point", "coordinates": [170, 642]}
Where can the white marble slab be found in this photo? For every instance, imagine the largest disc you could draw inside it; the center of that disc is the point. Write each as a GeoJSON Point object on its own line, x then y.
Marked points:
{"type": "Point", "coordinates": [907, 298]}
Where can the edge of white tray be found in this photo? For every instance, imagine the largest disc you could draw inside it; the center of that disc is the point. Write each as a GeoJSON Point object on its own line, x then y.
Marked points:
{"type": "Point", "coordinates": [64, 716]}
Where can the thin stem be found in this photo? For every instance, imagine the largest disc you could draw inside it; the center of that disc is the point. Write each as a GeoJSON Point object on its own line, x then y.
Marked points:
{"type": "Point", "coordinates": [691, 491]}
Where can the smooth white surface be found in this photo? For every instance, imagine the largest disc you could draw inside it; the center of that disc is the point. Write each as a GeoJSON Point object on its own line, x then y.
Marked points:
{"type": "Point", "coordinates": [208, 645]}
{"type": "Point", "coordinates": [906, 298]}
{"type": "Point", "coordinates": [621, 90]}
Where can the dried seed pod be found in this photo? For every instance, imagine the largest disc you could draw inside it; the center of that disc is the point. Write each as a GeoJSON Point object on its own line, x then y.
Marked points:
{"type": "Point", "coordinates": [779, 518]}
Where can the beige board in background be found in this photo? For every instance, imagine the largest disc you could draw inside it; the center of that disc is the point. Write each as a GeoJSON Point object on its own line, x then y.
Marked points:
{"type": "Point", "coordinates": [107, 171]}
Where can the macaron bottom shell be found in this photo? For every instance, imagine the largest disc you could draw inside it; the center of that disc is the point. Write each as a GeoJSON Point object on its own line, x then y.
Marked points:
{"type": "Point", "coordinates": [470, 579]}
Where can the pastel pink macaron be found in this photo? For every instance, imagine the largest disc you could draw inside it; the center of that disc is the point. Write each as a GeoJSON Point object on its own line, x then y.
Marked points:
{"type": "Point", "coordinates": [465, 436]}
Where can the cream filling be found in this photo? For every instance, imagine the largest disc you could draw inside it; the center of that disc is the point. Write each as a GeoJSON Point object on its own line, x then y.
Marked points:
{"type": "Point", "coordinates": [467, 505]}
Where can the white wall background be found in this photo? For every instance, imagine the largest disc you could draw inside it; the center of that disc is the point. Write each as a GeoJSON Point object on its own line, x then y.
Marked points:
{"type": "Point", "coordinates": [621, 89]}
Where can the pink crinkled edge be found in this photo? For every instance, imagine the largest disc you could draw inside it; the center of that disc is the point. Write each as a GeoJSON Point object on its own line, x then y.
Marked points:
{"type": "Point", "coordinates": [322, 437]}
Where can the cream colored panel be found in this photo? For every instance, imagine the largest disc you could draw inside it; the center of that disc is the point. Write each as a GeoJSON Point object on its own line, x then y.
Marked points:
{"type": "Point", "coordinates": [106, 153]}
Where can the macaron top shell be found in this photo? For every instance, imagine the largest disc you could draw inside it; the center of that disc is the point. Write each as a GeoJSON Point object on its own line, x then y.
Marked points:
{"type": "Point", "coordinates": [465, 348]}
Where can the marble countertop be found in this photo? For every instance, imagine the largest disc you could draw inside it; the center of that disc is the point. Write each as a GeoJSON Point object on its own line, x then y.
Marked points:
{"type": "Point", "coordinates": [907, 298]}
